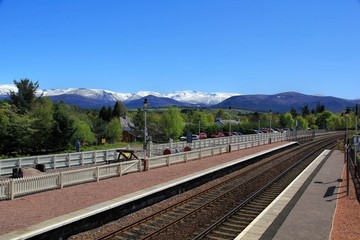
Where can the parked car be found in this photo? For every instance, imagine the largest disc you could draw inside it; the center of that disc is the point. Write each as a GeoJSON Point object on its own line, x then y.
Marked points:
{"type": "Point", "coordinates": [195, 137]}
{"type": "Point", "coordinates": [253, 131]}
{"type": "Point", "coordinates": [217, 135]}
{"type": "Point", "coordinates": [265, 130]}
{"type": "Point", "coordinates": [228, 134]}
{"type": "Point", "coordinates": [202, 136]}
{"type": "Point", "coordinates": [237, 133]}
{"type": "Point", "coordinates": [182, 138]}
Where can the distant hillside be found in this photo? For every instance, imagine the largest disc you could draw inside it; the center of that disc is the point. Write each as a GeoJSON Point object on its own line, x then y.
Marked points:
{"type": "Point", "coordinates": [283, 102]}
{"type": "Point", "coordinates": [82, 101]}
{"type": "Point", "coordinates": [154, 101]}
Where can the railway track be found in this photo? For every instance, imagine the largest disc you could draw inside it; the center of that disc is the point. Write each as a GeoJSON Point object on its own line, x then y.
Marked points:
{"type": "Point", "coordinates": [224, 210]}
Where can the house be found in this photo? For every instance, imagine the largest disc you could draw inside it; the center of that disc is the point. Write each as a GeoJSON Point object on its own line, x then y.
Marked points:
{"type": "Point", "coordinates": [129, 133]}
{"type": "Point", "coordinates": [220, 122]}
{"type": "Point", "coordinates": [132, 135]}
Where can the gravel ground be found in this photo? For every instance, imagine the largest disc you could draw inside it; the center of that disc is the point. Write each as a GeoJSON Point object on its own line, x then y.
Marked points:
{"type": "Point", "coordinates": [346, 223]}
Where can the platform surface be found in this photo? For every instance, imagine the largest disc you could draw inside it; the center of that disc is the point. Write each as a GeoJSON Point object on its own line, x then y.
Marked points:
{"type": "Point", "coordinates": [305, 209]}
{"type": "Point", "coordinates": [51, 209]}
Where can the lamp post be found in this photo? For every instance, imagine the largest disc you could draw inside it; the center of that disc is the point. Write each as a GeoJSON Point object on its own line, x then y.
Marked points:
{"type": "Point", "coordinates": [356, 134]}
{"type": "Point", "coordinates": [347, 152]}
{"type": "Point", "coordinates": [145, 128]}
{"type": "Point", "coordinates": [199, 126]}
{"type": "Point", "coordinates": [230, 121]}
{"type": "Point", "coordinates": [270, 120]}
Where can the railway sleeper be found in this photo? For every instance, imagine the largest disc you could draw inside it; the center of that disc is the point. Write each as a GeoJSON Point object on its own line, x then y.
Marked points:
{"type": "Point", "coordinates": [224, 233]}
{"type": "Point", "coordinates": [232, 224]}
{"type": "Point", "coordinates": [244, 214]}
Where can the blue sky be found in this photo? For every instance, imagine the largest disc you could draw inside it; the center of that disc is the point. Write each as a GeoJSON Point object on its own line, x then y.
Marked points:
{"type": "Point", "coordinates": [235, 46]}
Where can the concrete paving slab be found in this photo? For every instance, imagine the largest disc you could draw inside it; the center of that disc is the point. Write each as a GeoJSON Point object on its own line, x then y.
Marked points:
{"type": "Point", "coordinates": [305, 209]}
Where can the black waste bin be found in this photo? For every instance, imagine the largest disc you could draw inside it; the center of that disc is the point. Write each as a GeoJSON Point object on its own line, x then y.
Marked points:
{"type": "Point", "coordinates": [41, 167]}
{"type": "Point", "coordinates": [17, 173]}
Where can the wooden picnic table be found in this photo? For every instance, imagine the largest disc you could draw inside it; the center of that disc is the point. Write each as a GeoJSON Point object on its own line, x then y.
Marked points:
{"type": "Point", "coordinates": [127, 154]}
{"type": "Point", "coordinates": [124, 155]}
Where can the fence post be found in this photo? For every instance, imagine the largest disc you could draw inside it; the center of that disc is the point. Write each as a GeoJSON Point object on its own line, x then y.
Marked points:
{"type": "Point", "coordinates": [139, 166]}
{"type": "Point", "coordinates": [82, 158]}
{"type": "Point", "coordinates": [94, 157]}
{"type": "Point", "coordinates": [97, 174]}
{"type": "Point", "coordinates": [68, 158]}
{"type": "Point", "coordinates": [61, 176]}
{"type": "Point", "coordinates": [54, 161]}
{"type": "Point", "coordinates": [119, 170]}
{"type": "Point", "coordinates": [11, 189]}
{"type": "Point", "coordinates": [168, 160]}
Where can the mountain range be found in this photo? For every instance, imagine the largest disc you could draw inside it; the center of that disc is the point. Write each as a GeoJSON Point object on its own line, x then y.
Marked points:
{"type": "Point", "coordinates": [282, 102]}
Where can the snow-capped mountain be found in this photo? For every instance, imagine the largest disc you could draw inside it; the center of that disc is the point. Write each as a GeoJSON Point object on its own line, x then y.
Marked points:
{"type": "Point", "coordinates": [196, 97]}
{"type": "Point", "coordinates": [97, 98]}
{"type": "Point", "coordinates": [109, 97]}
{"type": "Point", "coordinates": [6, 88]}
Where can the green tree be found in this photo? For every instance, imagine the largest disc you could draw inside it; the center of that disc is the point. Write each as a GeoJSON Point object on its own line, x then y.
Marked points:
{"type": "Point", "coordinates": [63, 128]}
{"type": "Point", "coordinates": [25, 97]}
{"type": "Point", "coordinates": [119, 109]}
{"type": "Point", "coordinates": [311, 119]}
{"type": "Point", "coordinates": [286, 120]}
{"type": "Point", "coordinates": [43, 120]}
{"type": "Point", "coordinates": [113, 130]}
{"type": "Point", "coordinates": [335, 122]}
{"type": "Point", "coordinates": [293, 112]}
{"type": "Point", "coordinates": [305, 111]}
{"type": "Point", "coordinates": [319, 108]}
{"type": "Point", "coordinates": [6, 117]}
{"type": "Point", "coordinates": [220, 113]}
{"type": "Point", "coordinates": [199, 117]}
{"type": "Point", "coordinates": [172, 122]}
{"type": "Point", "coordinates": [154, 126]}
{"type": "Point", "coordinates": [322, 119]}
{"type": "Point", "coordinates": [138, 119]}
{"type": "Point", "coordinates": [301, 123]}
{"type": "Point", "coordinates": [106, 113]}
{"type": "Point", "coordinates": [83, 132]}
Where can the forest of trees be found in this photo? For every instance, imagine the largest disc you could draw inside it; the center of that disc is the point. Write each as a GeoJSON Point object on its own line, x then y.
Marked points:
{"type": "Point", "coordinates": [31, 124]}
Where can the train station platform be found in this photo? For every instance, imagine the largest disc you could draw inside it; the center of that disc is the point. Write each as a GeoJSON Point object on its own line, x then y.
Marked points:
{"type": "Point", "coordinates": [306, 208]}
{"type": "Point", "coordinates": [57, 211]}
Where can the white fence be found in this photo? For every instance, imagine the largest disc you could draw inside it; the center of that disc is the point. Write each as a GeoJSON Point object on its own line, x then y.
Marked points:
{"type": "Point", "coordinates": [11, 188]}
{"type": "Point", "coordinates": [101, 156]}
{"type": "Point", "coordinates": [58, 160]}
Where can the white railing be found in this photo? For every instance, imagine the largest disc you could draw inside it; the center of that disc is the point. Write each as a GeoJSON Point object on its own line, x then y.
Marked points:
{"type": "Point", "coordinates": [101, 156]}
{"type": "Point", "coordinates": [158, 149]}
{"type": "Point", "coordinates": [57, 160]}
{"type": "Point", "coordinates": [11, 188]}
